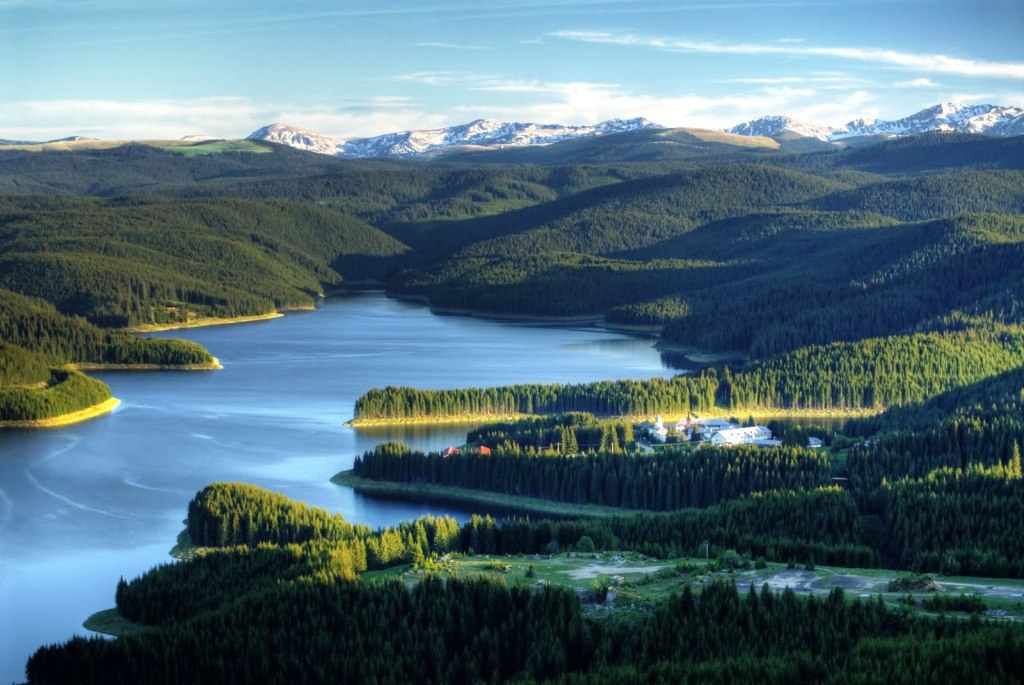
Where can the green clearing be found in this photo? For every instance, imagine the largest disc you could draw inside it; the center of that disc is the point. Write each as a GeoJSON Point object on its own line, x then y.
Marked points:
{"type": "Point", "coordinates": [216, 147]}
{"type": "Point", "coordinates": [387, 573]}
{"type": "Point", "coordinates": [646, 581]}
{"type": "Point", "coordinates": [432, 492]}
{"type": "Point", "coordinates": [110, 622]}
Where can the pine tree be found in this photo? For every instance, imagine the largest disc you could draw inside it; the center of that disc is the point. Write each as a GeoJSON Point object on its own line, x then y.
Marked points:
{"type": "Point", "coordinates": [1013, 470]}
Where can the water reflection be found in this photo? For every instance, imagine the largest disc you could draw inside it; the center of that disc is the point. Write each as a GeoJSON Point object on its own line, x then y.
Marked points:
{"type": "Point", "coordinates": [83, 505]}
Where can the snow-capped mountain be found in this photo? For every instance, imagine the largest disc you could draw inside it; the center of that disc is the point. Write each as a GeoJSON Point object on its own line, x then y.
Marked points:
{"type": "Point", "coordinates": [778, 124]}
{"type": "Point", "coordinates": [991, 120]}
{"type": "Point", "coordinates": [486, 133]}
{"type": "Point", "coordinates": [298, 138]}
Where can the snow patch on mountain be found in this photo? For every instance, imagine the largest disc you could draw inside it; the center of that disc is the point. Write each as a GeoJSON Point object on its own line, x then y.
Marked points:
{"type": "Point", "coordinates": [991, 120]}
{"type": "Point", "coordinates": [776, 125]}
{"type": "Point", "coordinates": [482, 133]}
{"type": "Point", "coordinates": [298, 138]}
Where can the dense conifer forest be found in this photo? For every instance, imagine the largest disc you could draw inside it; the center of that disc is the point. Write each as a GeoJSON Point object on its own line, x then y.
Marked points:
{"type": "Point", "coordinates": [220, 616]}
{"type": "Point", "coordinates": [885, 280]}
{"type": "Point", "coordinates": [665, 482]}
{"type": "Point", "coordinates": [37, 343]}
{"type": "Point", "coordinates": [871, 373]}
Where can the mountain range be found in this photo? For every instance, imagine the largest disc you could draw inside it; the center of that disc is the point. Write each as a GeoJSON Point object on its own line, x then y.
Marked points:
{"type": "Point", "coordinates": [482, 133]}
{"type": "Point", "coordinates": [490, 134]}
{"type": "Point", "coordinates": [510, 140]}
{"type": "Point", "coordinates": [990, 120]}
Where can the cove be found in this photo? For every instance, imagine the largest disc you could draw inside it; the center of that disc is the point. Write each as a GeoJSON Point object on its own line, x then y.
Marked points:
{"type": "Point", "coordinates": [83, 505]}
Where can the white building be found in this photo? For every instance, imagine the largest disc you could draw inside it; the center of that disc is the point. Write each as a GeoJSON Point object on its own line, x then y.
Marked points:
{"type": "Point", "coordinates": [710, 427]}
{"type": "Point", "coordinates": [751, 435]}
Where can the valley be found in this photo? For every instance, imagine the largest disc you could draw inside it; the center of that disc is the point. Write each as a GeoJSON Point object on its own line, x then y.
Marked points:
{"type": "Point", "coordinates": [866, 294]}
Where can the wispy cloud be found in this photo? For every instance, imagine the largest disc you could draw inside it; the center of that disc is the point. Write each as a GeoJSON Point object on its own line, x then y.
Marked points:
{"type": "Point", "coordinates": [829, 80]}
{"type": "Point", "coordinates": [223, 117]}
{"type": "Point", "coordinates": [450, 46]}
{"type": "Point", "coordinates": [917, 83]}
{"type": "Point", "coordinates": [929, 62]}
{"type": "Point", "coordinates": [585, 102]}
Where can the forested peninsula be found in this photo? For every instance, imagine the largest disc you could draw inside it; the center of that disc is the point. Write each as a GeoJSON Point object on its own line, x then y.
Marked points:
{"type": "Point", "coordinates": [42, 350]}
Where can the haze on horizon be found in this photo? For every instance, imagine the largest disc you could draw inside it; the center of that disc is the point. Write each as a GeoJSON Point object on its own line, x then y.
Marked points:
{"type": "Point", "coordinates": [113, 69]}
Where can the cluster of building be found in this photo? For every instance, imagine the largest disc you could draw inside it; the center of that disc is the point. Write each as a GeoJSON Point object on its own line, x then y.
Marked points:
{"type": "Point", "coordinates": [454, 451]}
{"type": "Point", "coordinates": [718, 432]}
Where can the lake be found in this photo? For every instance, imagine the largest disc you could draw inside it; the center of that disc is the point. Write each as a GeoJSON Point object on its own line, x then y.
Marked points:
{"type": "Point", "coordinates": [84, 505]}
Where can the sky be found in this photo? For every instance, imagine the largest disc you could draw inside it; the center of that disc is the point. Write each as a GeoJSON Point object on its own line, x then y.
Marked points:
{"type": "Point", "coordinates": [120, 69]}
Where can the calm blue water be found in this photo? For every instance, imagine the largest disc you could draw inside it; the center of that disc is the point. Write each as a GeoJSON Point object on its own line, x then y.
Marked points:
{"type": "Point", "coordinates": [84, 505]}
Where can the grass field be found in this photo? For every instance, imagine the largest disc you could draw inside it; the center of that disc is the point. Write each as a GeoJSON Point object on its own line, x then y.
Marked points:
{"type": "Point", "coordinates": [217, 146]}
{"type": "Point", "coordinates": [635, 582]}
{"type": "Point", "coordinates": [109, 622]}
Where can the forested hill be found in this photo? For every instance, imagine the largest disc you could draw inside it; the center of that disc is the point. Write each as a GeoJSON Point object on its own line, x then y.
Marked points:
{"type": "Point", "coordinates": [133, 167]}
{"type": "Point", "coordinates": [37, 343]}
{"type": "Point", "coordinates": [35, 325]}
{"type": "Point", "coordinates": [141, 260]}
{"type": "Point", "coordinates": [750, 250]}
{"type": "Point", "coordinates": [869, 374]}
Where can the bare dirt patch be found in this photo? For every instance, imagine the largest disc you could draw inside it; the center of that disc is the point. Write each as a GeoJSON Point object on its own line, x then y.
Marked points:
{"type": "Point", "coordinates": [797, 579]}
{"type": "Point", "coordinates": [594, 570]}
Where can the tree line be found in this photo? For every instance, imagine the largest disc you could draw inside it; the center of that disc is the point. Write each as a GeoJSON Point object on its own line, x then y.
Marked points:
{"type": "Point", "coordinates": [665, 482]}
{"type": "Point", "coordinates": [779, 525]}
{"type": "Point", "coordinates": [37, 342]}
{"type": "Point", "coordinates": [65, 391]}
{"type": "Point", "coordinates": [35, 325]}
{"type": "Point", "coordinates": [569, 433]}
{"type": "Point", "coordinates": [321, 628]}
{"type": "Point", "coordinates": [135, 260]}
{"type": "Point", "coordinates": [879, 372]}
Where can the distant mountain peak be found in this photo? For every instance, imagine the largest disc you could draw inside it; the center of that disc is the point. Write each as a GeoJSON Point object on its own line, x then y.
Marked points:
{"type": "Point", "coordinates": [479, 133]}
{"type": "Point", "coordinates": [778, 124]}
{"type": "Point", "coordinates": [300, 138]}
{"type": "Point", "coordinates": [71, 139]}
{"type": "Point", "coordinates": [992, 120]}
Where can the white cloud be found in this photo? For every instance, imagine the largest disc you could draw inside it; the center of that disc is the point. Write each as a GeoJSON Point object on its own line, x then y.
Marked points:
{"type": "Point", "coordinates": [974, 98]}
{"type": "Point", "coordinates": [771, 81]}
{"type": "Point", "coordinates": [892, 58]}
{"type": "Point", "coordinates": [582, 102]}
{"type": "Point", "coordinates": [828, 80]}
{"type": "Point", "coordinates": [224, 117]}
{"type": "Point", "coordinates": [450, 46]}
{"type": "Point", "coordinates": [587, 103]}
{"type": "Point", "coordinates": [445, 78]}
{"type": "Point", "coordinates": [555, 102]}
{"type": "Point", "coordinates": [838, 112]}
{"type": "Point", "coordinates": [917, 83]}
{"type": "Point", "coordinates": [47, 119]}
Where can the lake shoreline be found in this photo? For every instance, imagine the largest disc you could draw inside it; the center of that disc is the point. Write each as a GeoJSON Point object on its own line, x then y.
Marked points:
{"type": "Point", "coordinates": [111, 622]}
{"type": "Point", "coordinates": [214, 365]}
{"type": "Point", "coordinates": [418, 492]}
{"type": "Point", "coordinates": [467, 419]}
{"type": "Point", "coordinates": [667, 416]}
{"type": "Point", "coordinates": [204, 321]}
{"type": "Point", "coordinates": [69, 419]}
{"type": "Point", "coordinates": [579, 319]}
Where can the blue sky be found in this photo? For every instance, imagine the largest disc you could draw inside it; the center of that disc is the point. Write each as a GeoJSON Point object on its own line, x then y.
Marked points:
{"type": "Point", "coordinates": [118, 69]}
